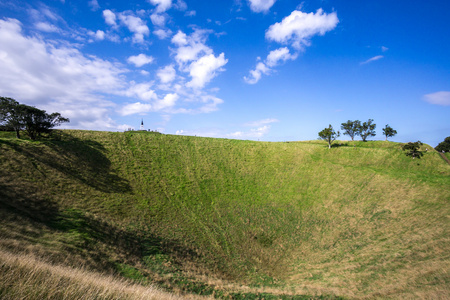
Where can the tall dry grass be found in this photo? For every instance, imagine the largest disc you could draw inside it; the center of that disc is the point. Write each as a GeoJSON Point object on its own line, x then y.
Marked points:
{"type": "Point", "coordinates": [25, 277]}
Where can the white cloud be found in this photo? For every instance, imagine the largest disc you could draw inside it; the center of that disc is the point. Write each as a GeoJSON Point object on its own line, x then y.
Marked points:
{"type": "Point", "coordinates": [180, 5]}
{"type": "Point", "coordinates": [99, 35]}
{"type": "Point", "coordinates": [190, 48]}
{"type": "Point", "coordinates": [140, 60]}
{"type": "Point", "coordinates": [110, 17]}
{"type": "Point", "coordinates": [372, 59]}
{"type": "Point", "coordinates": [93, 4]}
{"type": "Point", "coordinates": [161, 5]}
{"type": "Point", "coordinates": [167, 102]}
{"type": "Point", "coordinates": [205, 69]}
{"type": "Point", "coordinates": [166, 74]}
{"type": "Point", "coordinates": [135, 25]}
{"type": "Point", "coordinates": [46, 27]}
{"type": "Point", "coordinates": [180, 39]}
{"type": "Point", "coordinates": [135, 108]}
{"type": "Point", "coordinates": [253, 133]}
{"type": "Point", "coordinates": [297, 28]}
{"type": "Point", "coordinates": [438, 98]}
{"type": "Point", "coordinates": [158, 20]}
{"type": "Point", "coordinates": [281, 54]}
{"type": "Point", "coordinates": [261, 5]}
{"type": "Point", "coordinates": [260, 123]}
{"type": "Point", "coordinates": [190, 13]}
{"type": "Point", "coordinates": [57, 77]}
{"type": "Point", "coordinates": [255, 75]}
{"type": "Point", "coordinates": [142, 91]}
{"type": "Point", "coordinates": [384, 49]}
{"type": "Point", "coordinates": [162, 34]}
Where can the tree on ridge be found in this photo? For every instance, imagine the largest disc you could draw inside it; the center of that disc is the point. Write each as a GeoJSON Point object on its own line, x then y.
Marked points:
{"type": "Point", "coordinates": [388, 131]}
{"type": "Point", "coordinates": [350, 128]}
{"type": "Point", "coordinates": [329, 135]}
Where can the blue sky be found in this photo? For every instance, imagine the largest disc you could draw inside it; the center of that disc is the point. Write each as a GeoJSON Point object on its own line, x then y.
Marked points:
{"type": "Point", "coordinates": [269, 70]}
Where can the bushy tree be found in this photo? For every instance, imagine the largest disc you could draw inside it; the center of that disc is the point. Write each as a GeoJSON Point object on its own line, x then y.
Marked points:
{"type": "Point", "coordinates": [351, 128]}
{"type": "Point", "coordinates": [388, 131]}
{"type": "Point", "coordinates": [11, 115]}
{"type": "Point", "coordinates": [17, 117]}
{"type": "Point", "coordinates": [329, 135]}
{"type": "Point", "coordinates": [413, 149]}
{"type": "Point", "coordinates": [367, 129]}
{"type": "Point", "coordinates": [444, 146]}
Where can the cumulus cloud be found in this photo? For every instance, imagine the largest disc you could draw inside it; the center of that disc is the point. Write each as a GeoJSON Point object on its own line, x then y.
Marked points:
{"type": "Point", "coordinates": [255, 75]}
{"type": "Point", "coordinates": [143, 91]}
{"type": "Point", "coordinates": [190, 47]}
{"type": "Point", "coordinates": [162, 34]}
{"type": "Point", "coordinates": [158, 20]}
{"type": "Point", "coordinates": [110, 17]}
{"type": "Point", "coordinates": [273, 59]}
{"type": "Point", "coordinates": [135, 108]}
{"type": "Point", "coordinates": [140, 60]}
{"type": "Point", "coordinates": [205, 69]}
{"type": "Point", "coordinates": [438, 98]}
{"type": "Point", "coordinates": [261, 5]}
{"type": "Point", "coordinates": [281, 54]}
{"type": "Point", "coordinates": [93, 4]}
{"type": "Point", "coordinates": [166, 74]}
{"type": "Point", "coordinates": [298, 28]}
{"type": "Point", "coordinates": [135, 25]}
{"type": "Point", "coordinates": [161, 5]}
{"type": "Point", "coordinates": [372, 59]}
{"type": "Point", "coordinates": [57, 77]}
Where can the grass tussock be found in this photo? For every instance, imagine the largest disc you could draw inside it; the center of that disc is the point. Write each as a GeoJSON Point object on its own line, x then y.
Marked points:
{"type": "Point", "coordinates": [25, 277]}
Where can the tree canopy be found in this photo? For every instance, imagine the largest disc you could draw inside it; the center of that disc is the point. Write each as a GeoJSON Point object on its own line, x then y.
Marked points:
{"type": "Point", "coordinates": [17, 117]}
{"type": "Point", "coordinates": [388, 131]}
{"type": "Point", "coordinates": [367, 129]}
{"type": "Point", "coordinates": [351, 128]}
{"type": "Point", "coordinates": [413, 149]}
{"type": "Point", "coordinates": [329, 135]}
{"type": "Point", "coordinates": [444, 146]}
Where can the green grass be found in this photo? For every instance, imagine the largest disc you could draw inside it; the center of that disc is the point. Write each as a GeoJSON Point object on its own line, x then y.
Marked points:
{"type": "Point", "coordinates": [209, 215]}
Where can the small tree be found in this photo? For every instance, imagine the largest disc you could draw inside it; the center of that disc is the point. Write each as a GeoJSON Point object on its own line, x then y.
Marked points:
{"type": "Point", "coordinates": [11, 114]}
{"type": "Point", "coordinates": [329, 135]}
{"type": "Point", "coordinates": [350, 128]}
{"type": "Point", "coordinates": [413, 149]}
{"type": "Point", "coordinates": [367, 129]}
{"type": "Point", "coordinates": [388, 131]}
{"type": "Point", "coordinates": [444, 146]}
{"type": "Point", "coordinates": [17, 117]}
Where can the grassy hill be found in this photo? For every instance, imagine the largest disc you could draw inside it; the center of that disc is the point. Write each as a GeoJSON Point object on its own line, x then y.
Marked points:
{"type": "Point", "coordinates": [230, 218]}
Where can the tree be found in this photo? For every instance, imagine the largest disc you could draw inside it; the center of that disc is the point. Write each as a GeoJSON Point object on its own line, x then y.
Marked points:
{"type": "Point", "coordinates": [351, 128]}
{"type": "Point", "coordinates": [367, 129]}
{"type": "Point", "coordinates": [444, 146]}
{"type": "Point", "coordinates": [388, 131]}
{"type": "Point", "coordinates": [329, 135]}
{"type": "Point", "coordinates": [413, 149]}
{"type": "Point", "coordinates": [17, 117]}
{"type": "Point", "coordinates": [11, 114]}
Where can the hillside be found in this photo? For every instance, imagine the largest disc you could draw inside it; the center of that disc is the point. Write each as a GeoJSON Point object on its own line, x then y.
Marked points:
{"type": "Point", "coordinates": [231, 217]}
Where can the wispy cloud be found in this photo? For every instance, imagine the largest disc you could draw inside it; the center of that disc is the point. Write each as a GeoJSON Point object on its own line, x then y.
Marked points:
{"type": "Point", "coordinates": [375, 58]}
{"type": "Point", "coordinates": [438, 98]}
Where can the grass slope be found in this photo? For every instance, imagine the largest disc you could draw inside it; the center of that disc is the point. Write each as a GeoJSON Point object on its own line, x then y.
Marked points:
{"type": "Point", "coordinates": [232, 218]}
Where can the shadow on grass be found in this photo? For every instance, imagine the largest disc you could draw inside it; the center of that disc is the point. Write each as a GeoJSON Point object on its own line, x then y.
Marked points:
{"type": "Point", "coordinates": [82, 160]}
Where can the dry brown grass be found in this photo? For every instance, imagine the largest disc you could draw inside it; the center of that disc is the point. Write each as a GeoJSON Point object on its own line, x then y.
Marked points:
{"type": "Point", "coordinates": [26, 277]}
